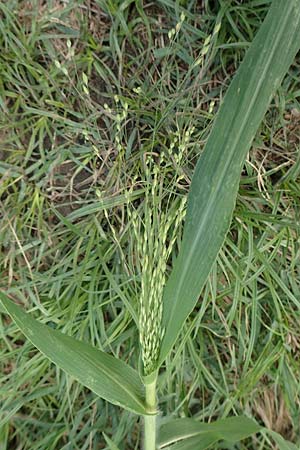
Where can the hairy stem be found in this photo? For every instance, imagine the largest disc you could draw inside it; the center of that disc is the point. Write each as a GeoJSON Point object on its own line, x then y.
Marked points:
{"type": "Point", "coordinates": [150, 421]}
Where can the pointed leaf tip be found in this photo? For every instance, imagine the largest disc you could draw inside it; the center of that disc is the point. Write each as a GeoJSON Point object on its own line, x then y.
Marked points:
{"type": "Point", "coordinates": [107, 376]}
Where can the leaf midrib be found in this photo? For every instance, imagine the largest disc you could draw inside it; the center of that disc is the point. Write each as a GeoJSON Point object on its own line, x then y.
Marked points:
{"type": "Point", "coordinates": [116, 380]}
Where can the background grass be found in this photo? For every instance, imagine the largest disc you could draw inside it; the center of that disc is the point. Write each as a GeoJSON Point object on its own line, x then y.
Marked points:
{"type": "Point", "coordinates": [88, 91]}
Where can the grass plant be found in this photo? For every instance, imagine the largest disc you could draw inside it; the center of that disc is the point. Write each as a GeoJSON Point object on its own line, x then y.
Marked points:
{"type": "Point", "coordinates": [77, 170]}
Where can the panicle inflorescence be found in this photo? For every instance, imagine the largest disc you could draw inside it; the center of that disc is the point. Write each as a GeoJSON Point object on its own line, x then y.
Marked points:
{"type": "Point", "coordinates": [155, 235]}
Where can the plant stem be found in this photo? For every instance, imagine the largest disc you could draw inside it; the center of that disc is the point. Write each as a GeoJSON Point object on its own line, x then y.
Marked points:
{"type": "Point", "coordinates": [150, 421]}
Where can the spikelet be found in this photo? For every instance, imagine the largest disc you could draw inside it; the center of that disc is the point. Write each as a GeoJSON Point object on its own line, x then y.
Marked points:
{"type": "Point", "coordinates": [155, 234]}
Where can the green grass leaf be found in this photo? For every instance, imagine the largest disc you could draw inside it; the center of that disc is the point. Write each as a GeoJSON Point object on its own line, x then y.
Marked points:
{"type": "Point", "coordinates": [107, 376]}
{"type": "Point", "coordinates": [194, 443]}
{"type": "Point", "coordinates": [110, 443]}
{"type": "Point", "coordinates": [281, 442]}
{"type": "Point", "coordinates": [232, 429]}
{"type": "Point", "coordinates": [215, 182]}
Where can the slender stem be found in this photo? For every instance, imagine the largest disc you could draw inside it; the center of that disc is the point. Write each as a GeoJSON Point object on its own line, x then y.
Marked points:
{"type": "Point", "coordinates": [150, 421]}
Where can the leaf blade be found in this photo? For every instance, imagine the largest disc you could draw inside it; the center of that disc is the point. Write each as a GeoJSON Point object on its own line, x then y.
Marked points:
{"type": "Point", "coordinates": [215, 181]}
{"type": "Point", "coordinates": [110, 443]}
{"type": "Point", "coordinates": [232, 429]}
{"type": "Point", "coordinates": [109, 377]}
{"type": "Point", "coordinates": [194, 443]}
{"type": "Point", "coordinates": [281, 442]}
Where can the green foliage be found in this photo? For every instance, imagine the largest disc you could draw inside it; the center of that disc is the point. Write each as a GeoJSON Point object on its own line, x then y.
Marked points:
{"type": "Point", "coordinates": [107, 376]}
{"type": "Point", "coordinates": [202, 435]}
{"type": "Point", "coordinates": [215, 181]}
{"type": "Point", "coordinates": [67, 163]}
{"type": "Point", "coordinates": [282, 443]}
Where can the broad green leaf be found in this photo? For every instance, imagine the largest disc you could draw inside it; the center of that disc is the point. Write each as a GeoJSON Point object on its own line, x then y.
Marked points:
{"type": "Point", "coordinates": [281, 442]}
{"type": "Point", "coordinates": [215, 182]}
{"type": "Point", "coordinates": [108, 377]}
{"type": "Point", "coordinates": [194, 443]}
{"type": "Point", "coordinates": [232, 429]}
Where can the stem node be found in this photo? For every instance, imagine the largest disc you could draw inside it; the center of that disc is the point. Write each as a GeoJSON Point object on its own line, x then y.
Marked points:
{"type": "Point", "coordinates": [150, 421]}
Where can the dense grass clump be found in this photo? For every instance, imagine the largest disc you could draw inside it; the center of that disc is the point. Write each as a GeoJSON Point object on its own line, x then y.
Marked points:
{"type": "Point", "coordinates": [105, 108]}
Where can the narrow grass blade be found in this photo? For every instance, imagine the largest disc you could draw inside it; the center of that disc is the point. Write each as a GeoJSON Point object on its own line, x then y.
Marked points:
{"type": "Point", "coordinates": [281, 442]}
{"type": "Point", "coordinates": [105, 375]}
{"type": "Point", "coordinates": [233, 429]}
{"type": "Point", "coordinates": [215, 182]}
{"type": "Point", "coordinates": [110, 443]}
